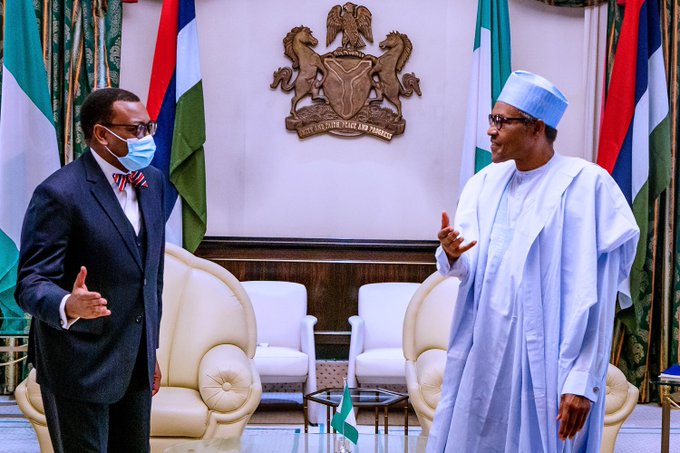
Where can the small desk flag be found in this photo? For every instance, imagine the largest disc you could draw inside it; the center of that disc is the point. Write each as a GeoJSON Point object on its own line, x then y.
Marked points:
{"type": "Point", "coordinates": [344, 420]}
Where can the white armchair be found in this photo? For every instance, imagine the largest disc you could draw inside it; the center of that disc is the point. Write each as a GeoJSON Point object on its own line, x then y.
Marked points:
{"type": "Point", "coordinates": [427, 326]}
{"type": "Point", "coordinates": [375, 350]}
{"type": "Point", "coordinates": [285, 334]}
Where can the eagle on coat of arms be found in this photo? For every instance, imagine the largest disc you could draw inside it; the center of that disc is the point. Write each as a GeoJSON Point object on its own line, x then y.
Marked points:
{"type": "Point", "coordinates": [347, 87]}
{"type": "Point", "coordinates": [354, 22]}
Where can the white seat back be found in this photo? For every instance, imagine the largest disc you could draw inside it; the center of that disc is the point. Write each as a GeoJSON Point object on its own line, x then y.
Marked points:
{"type": "Point", "coordinates": [382, 307]}
{"type": "Point", "coordinates": [279, 309]}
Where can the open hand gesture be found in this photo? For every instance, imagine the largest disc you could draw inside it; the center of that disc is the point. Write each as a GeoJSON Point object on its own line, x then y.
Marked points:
{"type": "Point", "coordinates": [83, 303]}
{"type": "Point", "coordinates": [452, 241]}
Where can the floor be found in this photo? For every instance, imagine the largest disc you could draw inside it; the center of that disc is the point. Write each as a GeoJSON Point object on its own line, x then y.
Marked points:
{"type": "Point", "coordinates": [641, 433]}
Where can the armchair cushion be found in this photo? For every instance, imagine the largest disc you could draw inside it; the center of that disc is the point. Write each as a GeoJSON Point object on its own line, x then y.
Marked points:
{"type": "Point", "coordinates": [225, 378]}
{"type": "Point", "coordinates": [277, 364]}
{"type": "Point", "coordinates": [178, 412]}
{"type": "Point", "coordinates": [382, 362]}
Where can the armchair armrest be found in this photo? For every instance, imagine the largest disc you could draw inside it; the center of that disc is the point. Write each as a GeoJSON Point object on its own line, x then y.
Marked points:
{"type": "Point", "coordinates": [356, 347]}
{"type": "Point", "coordinates": [307, 346]}
{"type": "Point", "coordinates": [225, 378]}
{"type": "Point", "coordinates": [307, 335]}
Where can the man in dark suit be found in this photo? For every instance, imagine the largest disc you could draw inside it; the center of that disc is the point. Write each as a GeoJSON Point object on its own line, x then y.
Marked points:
{"type": "Point", "coordinates": [91, 275]}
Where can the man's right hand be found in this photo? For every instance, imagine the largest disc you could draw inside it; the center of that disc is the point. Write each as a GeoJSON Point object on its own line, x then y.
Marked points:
{"type": "Point", "coordinates": [452, 241]}
{"type": "Point", "coordinates": [83, 303]}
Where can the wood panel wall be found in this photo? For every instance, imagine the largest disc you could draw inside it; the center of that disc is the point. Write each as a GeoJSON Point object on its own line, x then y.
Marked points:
{"type": "Point", "coordinates": [331, 269]}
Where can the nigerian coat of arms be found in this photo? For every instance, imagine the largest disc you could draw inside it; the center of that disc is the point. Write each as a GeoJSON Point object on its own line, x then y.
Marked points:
{"type": "Point", "coordinates": [348, 88]}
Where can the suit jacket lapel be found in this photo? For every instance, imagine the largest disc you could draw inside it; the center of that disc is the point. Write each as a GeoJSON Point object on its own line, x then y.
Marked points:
{"type": "Point", "coordinates": [147, 211]}
{"type": "Point", "coordinates": [103, 193]}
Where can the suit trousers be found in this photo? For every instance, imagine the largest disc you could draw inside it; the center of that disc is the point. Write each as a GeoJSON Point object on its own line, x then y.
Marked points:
{"type": "Point", "coordinates": [124, 426]}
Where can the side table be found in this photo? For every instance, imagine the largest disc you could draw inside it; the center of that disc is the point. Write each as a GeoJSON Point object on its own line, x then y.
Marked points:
{"type": "Point", "coordinates": [375, 398]}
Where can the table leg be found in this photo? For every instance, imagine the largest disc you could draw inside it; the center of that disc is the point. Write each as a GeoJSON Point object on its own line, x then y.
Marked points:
{"type": "Point", "coordinates": [328, 419]}
{"type": "Point", "coordinates": [306, 415]}
{"type": "Point", "coordinates": [386, 419]}
{"type": "Point", "coordinates": [406, 418]}
{"type": "Point", "coordinates": [376, 419]}
{"type": "Point", "coordinates": [665, 424]}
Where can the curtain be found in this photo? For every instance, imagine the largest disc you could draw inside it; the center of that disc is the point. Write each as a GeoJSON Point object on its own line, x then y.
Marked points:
{"type": "Point", "coordinates": [646, 337]}
{"type": "Point", "coordinates": [594, 54]}
{"type": "Point", "coordinates": [670, 28]}
{"type": "Point", "coordinates": [81, 46]}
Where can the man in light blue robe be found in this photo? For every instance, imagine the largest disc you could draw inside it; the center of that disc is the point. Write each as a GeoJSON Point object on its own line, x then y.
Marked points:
{"type": "Point", "coordinates": [551, 242]}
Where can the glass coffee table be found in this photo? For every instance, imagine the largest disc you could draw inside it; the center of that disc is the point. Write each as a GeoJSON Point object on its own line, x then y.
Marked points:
{"type": "Point", "coordinates": [372, 398]}
{"type": "Point", "coordinates": [277, 441]}
{"type": "Point", "coordinates": [668, 402]}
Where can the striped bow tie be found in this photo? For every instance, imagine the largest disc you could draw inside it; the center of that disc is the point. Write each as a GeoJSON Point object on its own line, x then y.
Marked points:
{"type": "Point", "coordinates": [136, 178]}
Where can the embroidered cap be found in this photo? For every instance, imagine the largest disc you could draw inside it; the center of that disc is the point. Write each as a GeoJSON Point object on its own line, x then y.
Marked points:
{"type": "Point", "coordinates": [534, 95]}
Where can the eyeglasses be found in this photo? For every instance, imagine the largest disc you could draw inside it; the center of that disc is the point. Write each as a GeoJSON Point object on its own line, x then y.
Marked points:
{"type": "Point", "coordinates": [498, 121]}
{"type": "Point", "coordinates": [140, 130]}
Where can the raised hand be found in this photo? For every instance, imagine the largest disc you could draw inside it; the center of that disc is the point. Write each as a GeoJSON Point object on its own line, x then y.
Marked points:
{"type": "Point", "coordinates": [451, 240]}
{"type": "Point", "coordinates": [83, 303]}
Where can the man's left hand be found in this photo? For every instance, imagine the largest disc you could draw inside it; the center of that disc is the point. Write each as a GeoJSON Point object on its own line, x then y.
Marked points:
{"type": "Point", "coordinates": [572, 414]}
{"type": "Point", "coordinates": [156, 380]}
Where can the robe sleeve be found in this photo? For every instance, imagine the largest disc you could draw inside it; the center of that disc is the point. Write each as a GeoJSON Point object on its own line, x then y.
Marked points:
{"type": "Point", "coordinates": [605, 235]}
{"type": "Point", "coordinates": [459, 268]}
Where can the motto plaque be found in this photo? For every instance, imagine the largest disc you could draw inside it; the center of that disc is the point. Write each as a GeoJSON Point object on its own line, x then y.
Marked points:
{"type": "Point", "coordinates": [348, 87]}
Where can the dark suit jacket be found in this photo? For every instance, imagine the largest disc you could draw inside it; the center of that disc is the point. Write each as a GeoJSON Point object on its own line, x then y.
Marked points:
{"type": "Point", "coordinates": [73, 220]}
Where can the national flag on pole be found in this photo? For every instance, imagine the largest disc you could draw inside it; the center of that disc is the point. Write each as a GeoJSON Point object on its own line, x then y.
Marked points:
{"type": "Point", "coordinates": [344, 420]}
{"type": "Point", "coordinates": [635, 136]}
{"type": "Point", "coordinates": [490, 70]}
{"type": "Point", "coordinates": [28, 140]}
{"type": "Point", "coordinates": [176, 103]}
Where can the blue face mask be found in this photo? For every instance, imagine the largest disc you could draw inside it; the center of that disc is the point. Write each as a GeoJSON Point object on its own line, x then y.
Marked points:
{"type": "Point", "coordinates": [140, 151]}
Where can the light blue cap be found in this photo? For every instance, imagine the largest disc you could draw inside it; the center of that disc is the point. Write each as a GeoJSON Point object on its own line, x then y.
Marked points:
{"type": "Point", "coordinates": [534, 95]}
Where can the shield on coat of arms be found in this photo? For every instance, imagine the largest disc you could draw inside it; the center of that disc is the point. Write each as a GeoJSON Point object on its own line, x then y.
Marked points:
{"type": "Point", "coordinates": [347, 84]}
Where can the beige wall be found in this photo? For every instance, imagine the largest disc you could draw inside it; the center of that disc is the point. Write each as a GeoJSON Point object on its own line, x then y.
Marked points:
{"type": "Point", "coordinates": [264, 181]}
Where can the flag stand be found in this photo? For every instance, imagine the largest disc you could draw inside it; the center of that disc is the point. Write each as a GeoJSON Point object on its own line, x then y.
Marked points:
{"type": "Point", "coordinates": [342, 444]}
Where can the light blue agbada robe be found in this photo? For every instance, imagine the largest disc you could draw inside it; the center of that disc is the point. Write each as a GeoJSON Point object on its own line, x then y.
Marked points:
{"type": "Point", "coordinates": [541, 327]}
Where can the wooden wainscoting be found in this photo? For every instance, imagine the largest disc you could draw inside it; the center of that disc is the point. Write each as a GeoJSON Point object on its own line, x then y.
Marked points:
{"type": "Point", "coordinates": [331, 269]}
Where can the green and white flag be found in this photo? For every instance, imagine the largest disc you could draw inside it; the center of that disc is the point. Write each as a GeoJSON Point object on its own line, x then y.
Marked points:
{"type": "Point", "coordinates": [344, 420]}
{"type": "Point", "coordinates": [28, 140]}
{"type": "Point", "coordinates": [490, 70]}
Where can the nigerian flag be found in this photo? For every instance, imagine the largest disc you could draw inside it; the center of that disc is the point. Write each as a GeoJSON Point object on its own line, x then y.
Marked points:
{"type": "Point", "coordinates": [344, 421]}
{"type": "Point", "coordinates": [635, 136]}
{"type": "Point", "coordinates": [176, 103]}
{"type": "Point", "coordinates": [28, 140]}
{"type": "Point", "coordinates": [490, 70]}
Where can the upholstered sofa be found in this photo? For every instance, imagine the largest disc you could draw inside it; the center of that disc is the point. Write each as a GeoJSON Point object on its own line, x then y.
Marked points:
{"type": "Point", "coordinates": [426, 333]}
{"type": "Point", "coordinates": [210, 385]}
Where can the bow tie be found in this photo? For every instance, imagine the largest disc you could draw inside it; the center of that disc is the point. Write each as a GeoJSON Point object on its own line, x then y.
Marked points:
{"type": "Point", "coordinates": [136, 178]}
